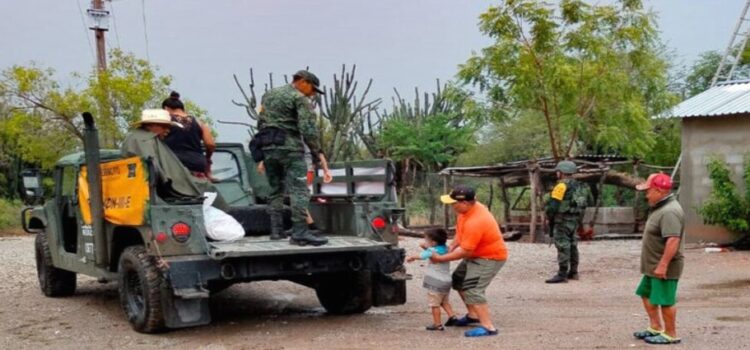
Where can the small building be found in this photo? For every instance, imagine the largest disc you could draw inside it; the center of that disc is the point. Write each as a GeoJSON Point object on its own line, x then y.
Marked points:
{"type": "Point", "coordinates": [715, 123]}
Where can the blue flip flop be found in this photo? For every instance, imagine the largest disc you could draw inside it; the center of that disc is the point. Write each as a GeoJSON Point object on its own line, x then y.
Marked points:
{"type": "Point", "coordinates": [480, 332]}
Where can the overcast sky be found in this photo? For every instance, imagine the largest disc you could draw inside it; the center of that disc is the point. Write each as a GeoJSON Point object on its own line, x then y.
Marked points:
{"type": "Point", "coordinates": [398, 43]}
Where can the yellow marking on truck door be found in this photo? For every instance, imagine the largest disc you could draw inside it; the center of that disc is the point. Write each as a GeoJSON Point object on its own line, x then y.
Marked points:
{"type": "Point", "coordinates": [125, 192]}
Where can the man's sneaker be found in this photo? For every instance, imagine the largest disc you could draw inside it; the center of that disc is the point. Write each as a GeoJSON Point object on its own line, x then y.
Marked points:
{"type": "Point", "coordinates": [433, 327]}
{"type": "Point", "coordinates": [451, 321]}
{"type": "Point", "coordinates": [557, 279]}
{"type": "Point", "coordinates": [463, 322]}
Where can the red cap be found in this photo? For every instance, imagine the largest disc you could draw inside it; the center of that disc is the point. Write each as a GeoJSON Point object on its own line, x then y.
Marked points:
{"type": "Point", "coordinates": [657, 180]}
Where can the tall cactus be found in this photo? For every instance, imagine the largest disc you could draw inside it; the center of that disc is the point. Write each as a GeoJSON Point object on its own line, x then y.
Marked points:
{"type": "Point", "coordinates": [250, 103]}
{"type": "Point", "coordinates": [344, 110]}
{"type": "Point", "coordinates": [341, 111]}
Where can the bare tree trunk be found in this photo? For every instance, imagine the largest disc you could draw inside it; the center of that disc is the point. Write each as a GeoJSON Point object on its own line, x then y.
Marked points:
{"type": "Point", "coordinates": [550, 129]}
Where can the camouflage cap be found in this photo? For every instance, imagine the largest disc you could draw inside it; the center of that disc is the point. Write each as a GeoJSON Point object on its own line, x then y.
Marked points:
{"type": "Point", "coordinates": [311, 78]}
{"type": "Point", "coordinates": [566, 167]}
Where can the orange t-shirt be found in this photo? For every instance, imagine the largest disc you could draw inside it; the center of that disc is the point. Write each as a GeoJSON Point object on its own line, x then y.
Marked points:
{"type": "Point", "coordinates": [478, 232]}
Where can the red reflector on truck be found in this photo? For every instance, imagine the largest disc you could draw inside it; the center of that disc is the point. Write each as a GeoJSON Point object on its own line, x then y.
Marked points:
{"type": "Point", "coordinates": [181, 232]}
{"type": "Point", "coordinates": [378, 223]}
{"type": "Point", "coordinates": [161, 237]}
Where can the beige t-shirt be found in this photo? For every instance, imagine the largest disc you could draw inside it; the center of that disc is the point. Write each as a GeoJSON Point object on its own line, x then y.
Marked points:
{"type": "Point", "coordinates": [666, 220]}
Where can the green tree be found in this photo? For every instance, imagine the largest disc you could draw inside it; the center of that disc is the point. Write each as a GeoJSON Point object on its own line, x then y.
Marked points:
{"type": "Point", "coordinates": [726, 207]}
{"type": "Point", "coordinates": [423, 137]}
{"type": "Point", "coordinates": [513, 138]}
{"type": "Point", "coordinates": [429, 133]}
{"type": "Point", "coordinates": [593, 74]}
{"type": "Point", "coordinates": [699, 76]}
{"type": "Point", "coordinates": [40, 120]}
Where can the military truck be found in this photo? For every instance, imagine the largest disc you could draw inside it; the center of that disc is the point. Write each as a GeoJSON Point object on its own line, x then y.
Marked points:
{"type": "Point", "coordinates": [107, 219]}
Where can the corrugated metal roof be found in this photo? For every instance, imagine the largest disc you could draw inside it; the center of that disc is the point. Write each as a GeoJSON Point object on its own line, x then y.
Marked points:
{"type": "Point", "coordinates": [724, 99]}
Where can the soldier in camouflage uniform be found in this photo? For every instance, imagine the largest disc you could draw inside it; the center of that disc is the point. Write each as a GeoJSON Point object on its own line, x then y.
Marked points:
{"type": "Point", "coordinates": [286, 119]}
{"type": "Point", "coordinates": [564, 209]}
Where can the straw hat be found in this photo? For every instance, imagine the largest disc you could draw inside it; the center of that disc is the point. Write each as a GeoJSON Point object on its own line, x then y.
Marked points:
{"type": "Point", "coordinates": [156, 116]}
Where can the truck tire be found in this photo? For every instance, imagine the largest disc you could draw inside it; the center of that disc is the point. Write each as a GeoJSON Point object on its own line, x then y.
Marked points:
{"type": "Point", "coordinates": [140, 290]}
{"type": "Point", "coordinates": [54, 282]}
{"type": "Point", "coordinates": [215, 287]}
{"type": "Point", "coordinates": [346, 293]}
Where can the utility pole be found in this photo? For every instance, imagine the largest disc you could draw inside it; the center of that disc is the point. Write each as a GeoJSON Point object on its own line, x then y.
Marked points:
{"type": "Point", "coordinates": [99, 24]}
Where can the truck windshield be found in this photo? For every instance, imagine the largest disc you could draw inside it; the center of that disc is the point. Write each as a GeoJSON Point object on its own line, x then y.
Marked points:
{"type": "Point", "coordinates": [225, 166]}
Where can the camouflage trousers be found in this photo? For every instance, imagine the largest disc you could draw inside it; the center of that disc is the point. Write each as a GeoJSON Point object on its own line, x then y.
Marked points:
{"type": "Point", "coordinates": [564, 236]}
{"type": "Point", "coordinates": [287, 173]}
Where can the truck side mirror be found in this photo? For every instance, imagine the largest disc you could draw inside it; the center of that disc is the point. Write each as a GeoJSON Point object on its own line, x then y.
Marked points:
{"type": "Point", "coordinates": [32, 190]}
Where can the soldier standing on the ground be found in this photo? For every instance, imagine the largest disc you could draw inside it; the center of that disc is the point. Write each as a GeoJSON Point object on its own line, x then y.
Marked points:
{"type": "Point", "coordinates": [564, 209]}
{"type": "Point", "coordinates": [286, 119]}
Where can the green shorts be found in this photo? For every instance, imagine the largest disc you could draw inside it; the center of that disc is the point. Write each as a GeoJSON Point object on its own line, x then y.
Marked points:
{"type": "Point", "coordinates": [658, 291]}
{"type": "Point", "coordinates": [472, 276]}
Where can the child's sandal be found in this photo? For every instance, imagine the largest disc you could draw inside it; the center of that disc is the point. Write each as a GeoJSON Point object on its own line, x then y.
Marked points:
{"type": "Point", "coordinates": [433, 327]}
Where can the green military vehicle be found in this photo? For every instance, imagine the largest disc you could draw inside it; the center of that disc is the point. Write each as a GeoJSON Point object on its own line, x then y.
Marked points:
{"type": "Point", "coordinates": [107, 219]}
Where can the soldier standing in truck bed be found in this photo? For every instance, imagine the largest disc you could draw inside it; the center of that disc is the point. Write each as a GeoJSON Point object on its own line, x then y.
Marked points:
{"type": "Point", "coordinates": [286, 119]}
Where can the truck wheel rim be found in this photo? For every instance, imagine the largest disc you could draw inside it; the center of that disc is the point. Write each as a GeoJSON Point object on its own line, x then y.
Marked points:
{"type": "Point", "coordinates": [135, 295]}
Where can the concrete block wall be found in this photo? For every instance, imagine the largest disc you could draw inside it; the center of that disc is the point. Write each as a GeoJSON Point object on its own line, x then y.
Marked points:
{"type": "Point", "coordinates": [727, 138]}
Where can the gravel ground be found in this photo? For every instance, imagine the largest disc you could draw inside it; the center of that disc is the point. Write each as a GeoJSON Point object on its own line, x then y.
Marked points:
{"type": "Point", "coordinates": [597, 312]}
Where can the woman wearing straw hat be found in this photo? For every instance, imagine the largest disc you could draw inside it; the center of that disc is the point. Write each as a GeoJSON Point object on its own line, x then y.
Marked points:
{"type": "Point", "coordinates": [145, 141]}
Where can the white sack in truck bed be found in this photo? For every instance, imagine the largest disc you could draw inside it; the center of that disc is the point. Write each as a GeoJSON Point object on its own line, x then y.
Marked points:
{"type": "Point", "coordinates": [220, 226]}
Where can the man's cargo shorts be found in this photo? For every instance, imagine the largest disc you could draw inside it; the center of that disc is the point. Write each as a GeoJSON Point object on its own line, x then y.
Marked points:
{"type": "Point", "coordinates": [472, 276]}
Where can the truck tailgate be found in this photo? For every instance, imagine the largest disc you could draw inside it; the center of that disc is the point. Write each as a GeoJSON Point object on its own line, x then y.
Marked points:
{"type": "Point", "coordinates": [263, 246]}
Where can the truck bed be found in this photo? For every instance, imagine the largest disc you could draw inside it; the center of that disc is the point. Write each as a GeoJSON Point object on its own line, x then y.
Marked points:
{"type": "Point", "coordinates": [263, 246]}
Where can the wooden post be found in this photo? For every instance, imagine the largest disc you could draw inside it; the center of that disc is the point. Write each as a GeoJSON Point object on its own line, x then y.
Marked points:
{"type": "Point", "coordinates": [600, 194]}
{"type": "Point", "coordinates": [506, 201]}
{"type": "Point", "coordinates": [492, 196]}
{"type": "Point", "coordinates": [101, 48]}
{"type": "Point", "coordinates": [431, 200]}
{"type": "Point", "coordinates": [446, 210]}
{"type": "Point", "coordinates": [532, 193]}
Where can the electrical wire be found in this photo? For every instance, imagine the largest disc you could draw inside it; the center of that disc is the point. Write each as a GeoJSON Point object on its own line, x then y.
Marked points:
{"type": "Point", "coordinates": [86, 31]}
{"type": "Point", "coordinates": [114, 22]}
{"type": "Point", "coordinates": [145, 27]}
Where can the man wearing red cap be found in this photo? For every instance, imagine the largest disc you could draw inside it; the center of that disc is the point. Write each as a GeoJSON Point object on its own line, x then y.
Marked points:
{"type": "Point", "coordinates": [661, 260]}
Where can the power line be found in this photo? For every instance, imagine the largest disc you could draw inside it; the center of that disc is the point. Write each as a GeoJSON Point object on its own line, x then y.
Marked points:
{"type": "Point", "coordinates": [85, 30]}
{"type": "Point", "coordinates": [145, 27]}
{"type": "Point", "coordinates": [114, 22]}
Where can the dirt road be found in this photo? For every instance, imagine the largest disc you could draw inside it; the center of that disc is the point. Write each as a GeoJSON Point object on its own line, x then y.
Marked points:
{"type": "Point", "coordinates": [597, 312]}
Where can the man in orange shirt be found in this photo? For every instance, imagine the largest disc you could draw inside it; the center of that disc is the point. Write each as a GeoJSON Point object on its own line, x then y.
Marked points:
{"type": "Point", "coordinates": [480, 244]}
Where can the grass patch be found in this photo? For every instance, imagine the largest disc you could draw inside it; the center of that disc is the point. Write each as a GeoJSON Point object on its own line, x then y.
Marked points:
{"type": "Point", "coordinates": [10, 217]}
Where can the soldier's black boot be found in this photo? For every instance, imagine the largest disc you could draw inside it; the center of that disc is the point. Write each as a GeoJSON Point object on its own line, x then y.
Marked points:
{"type": "Point", "coordinates": [302, 236]}
{"type": "Point", "coordinates": [310, 227]}
{"type": "Point", "coordinates": [573, 273]}
{"type": "Point", "coordinates": [557, 279]}
{"type": "Point", "coordinates": [277, 225]}
{"type": "Point", "coordinates": [560, 277]}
